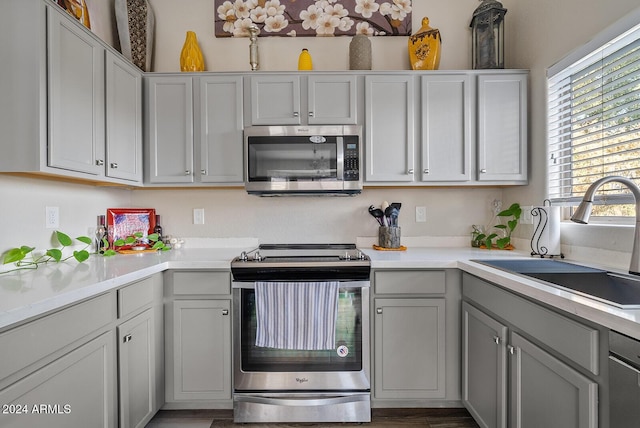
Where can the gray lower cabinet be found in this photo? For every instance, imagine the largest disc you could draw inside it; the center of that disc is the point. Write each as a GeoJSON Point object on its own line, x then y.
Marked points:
{"type": "Point", "coordinates": [415, 335]}
{"type": "Point", "coordinates": [198, 339]}
{"type": "Point", "coordinates": [551, 365]}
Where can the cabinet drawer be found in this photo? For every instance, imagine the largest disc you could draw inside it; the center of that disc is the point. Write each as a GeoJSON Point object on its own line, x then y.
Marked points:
{"type": "Point", "coordinates": [134, 297]}
{"type": "Point", "coordinates": [27, 344]}
{"type": "Point", "coordinates": [574, 340]}
{"type": "Point", "coordinates": [410, 282]}
{"type": "Point", "coordinates": [201, 282]}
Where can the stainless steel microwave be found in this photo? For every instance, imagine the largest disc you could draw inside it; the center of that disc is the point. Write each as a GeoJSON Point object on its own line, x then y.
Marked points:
{"type": "Point", "coordinates": [303, 160]}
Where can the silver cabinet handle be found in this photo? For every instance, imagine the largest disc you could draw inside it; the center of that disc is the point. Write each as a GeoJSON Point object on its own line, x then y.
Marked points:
{"type": "Point", "coordinates": [187, 172]}
{"type": "Point", "coordinates": [378, 310]}
{"type": "Point", "coordinates": [114, 165]}
{"type": "Point", "coordinates": [511, 349]}
{"type": "Point", "coordinates": [410, 171]}
{"type": "Point", "coordinates": [296, 114]}
{"type": "Point", "coordinates": [483, 171]}
{"type": "Point", "coordinates": [127, 338]}
{"type": "Point", "coordinates": [99, 162]}
{"type": "Point", "coordinates": [496, 339]}
{"type": "Point", "coordinates": [225, 312]}
{"type": "Point", "coordinates": [426, 171]}
{"type": "Point", "coordinates": [203, 171]}
{"type": "Point", "coordinates": [310, 114]}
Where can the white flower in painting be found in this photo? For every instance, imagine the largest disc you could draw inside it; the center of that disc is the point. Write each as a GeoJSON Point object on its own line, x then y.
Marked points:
{"type": "Point", "coordinates": [273, 7]}
{"type": "Point", "coordinates": [274, 24]}
{"type": "Point", "coordinates": [251, 4]}
{"type": "Point", "coordinates": [310, 17]}
{"type": "Point", "coordinates": [322, 4]}
{"type": "Point", "coordinates": [393, 11]}
{"type": "Point", "coordinates": [403, 6]}
{"type": "Point", "coordinates": [337, 10]}
{"type": "Point", "coordinates": [241, 27]}
{"type": "Point", "coordinates": [385, 9]}
{"type": "Point", "coordinates": [226, 12]}
{"type": "Point", "coordinates": [364, 28]}
{"type": "Point", "coordinates": [242, 11]}
{"type": "Point", "coordinates": [327, 25]}
{"type": "Point", "coordinates": [345, 24]}
{"type": "Point", "coordinates": [366, 8]}
{"type": "Point", "coordinates": [258, 14]}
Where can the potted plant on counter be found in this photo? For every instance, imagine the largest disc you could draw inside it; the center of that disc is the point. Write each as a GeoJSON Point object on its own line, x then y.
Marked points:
{"type": "Point", "coordinates": [512, 216]}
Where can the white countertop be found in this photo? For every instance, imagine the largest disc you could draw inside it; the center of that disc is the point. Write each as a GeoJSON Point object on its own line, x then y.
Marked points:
{"type": "Point", "coordinates": [28, 294]}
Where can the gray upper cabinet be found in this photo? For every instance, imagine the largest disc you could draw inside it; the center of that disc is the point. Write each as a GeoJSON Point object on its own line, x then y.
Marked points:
{"type": "Point", "coordinates": [502, 127]}
{"type": "Point", "coordinates": [124, 119]}
{"type": "Point", "coordinates": [389, 128]}
{"type": "Point", "coordinates": [446, 127]}
{"type": "Point", "coordinates": [169, 125]}
{"type": "Point", "coordinates": [220, 128]}
{"type": "Point", "coordinates": [309, 99]}
{"type": "Point", "coordinates": [55, 115]}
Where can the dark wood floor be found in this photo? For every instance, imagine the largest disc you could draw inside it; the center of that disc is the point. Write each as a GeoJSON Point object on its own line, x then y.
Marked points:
{"type": "Point", "coordinates": [381, 418]}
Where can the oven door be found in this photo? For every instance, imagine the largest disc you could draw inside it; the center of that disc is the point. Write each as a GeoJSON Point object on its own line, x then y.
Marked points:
{"type": "Point", "coordinates": [345, 368]}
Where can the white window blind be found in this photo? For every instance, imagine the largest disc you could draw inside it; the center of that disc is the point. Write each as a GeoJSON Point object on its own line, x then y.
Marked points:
{"type": "Point", "coordinates": [594, 122]}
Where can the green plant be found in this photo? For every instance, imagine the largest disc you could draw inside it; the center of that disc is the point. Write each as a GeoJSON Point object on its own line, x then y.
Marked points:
{"type": "Point", "coordinates": [513, 212]}
{"type": "Point", "coordinates": [138, 238]}
{"type": "Point", "coordinates": [18, 256]}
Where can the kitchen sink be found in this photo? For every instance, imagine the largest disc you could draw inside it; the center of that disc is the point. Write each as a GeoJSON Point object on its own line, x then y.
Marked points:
{"type": "Point", "coordinates": [615, 289]}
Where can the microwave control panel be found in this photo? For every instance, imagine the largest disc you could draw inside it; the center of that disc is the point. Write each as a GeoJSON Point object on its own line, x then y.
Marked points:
{"type": "Point", "coordinates": [351, 158]}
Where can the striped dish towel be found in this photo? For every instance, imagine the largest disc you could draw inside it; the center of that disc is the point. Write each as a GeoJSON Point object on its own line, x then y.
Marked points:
{"type": "Point", "coordinates": [296, 315]}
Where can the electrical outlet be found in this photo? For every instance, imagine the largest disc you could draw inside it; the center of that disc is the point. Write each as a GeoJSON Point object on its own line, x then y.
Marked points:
{"type": "Point", "coordinates": [198, 216]}
{"type": "Point", "coordinates": [52, 217]}
{"type": "Point", "coordinates": [526, 217]}
{"type": "Point", "coordinates": [421, 214]}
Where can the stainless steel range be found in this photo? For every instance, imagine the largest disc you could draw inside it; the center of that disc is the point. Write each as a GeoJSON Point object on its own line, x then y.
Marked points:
{"type": "Point", "coordinates": [301, 334]}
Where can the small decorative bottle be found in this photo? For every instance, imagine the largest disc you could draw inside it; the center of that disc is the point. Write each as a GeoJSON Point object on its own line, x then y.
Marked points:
{"type": "Point", "coordinates": [304, 61]}
{"type": "Point", "coordinates": [191, 55]}
{"type": "Point", "coordinates": [424, 47]}
{"type": "Point", "coordinates": [360, 53]}
{"type": "Point", "coordinates": [158, 229]}
{"type": "Point", "coordinates": [101, 235]}
{"type": "Point", "coordinates": [254, 62]}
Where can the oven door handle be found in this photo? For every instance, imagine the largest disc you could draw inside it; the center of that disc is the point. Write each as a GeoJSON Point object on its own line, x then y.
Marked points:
{"type": "Point", "coordinates": [315, 400]}
{"type": "Point", "coordinates": [343, 284]}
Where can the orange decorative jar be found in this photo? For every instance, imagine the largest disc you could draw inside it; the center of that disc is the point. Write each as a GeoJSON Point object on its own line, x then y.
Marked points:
{"type": "Point", "coordinates": [191, 55]}
{"type": "Point", "coordinates": [424, 48]}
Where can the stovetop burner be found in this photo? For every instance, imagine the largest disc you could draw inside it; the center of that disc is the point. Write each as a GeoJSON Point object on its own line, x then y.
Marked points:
{"type": "Point", "coordinates": [301, 262]}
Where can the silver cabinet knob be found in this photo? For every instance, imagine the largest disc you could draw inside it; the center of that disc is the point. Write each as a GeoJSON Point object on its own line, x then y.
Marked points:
{"type": "Point", "coordinates": [187, 172]}
{"type": "Point", "coordinates": [127, 338]}
{"type": "Point", "coordinates": [99, 162]}
{"type": "Point", "coordinates": [296, 114]}
{"type": "Point", "coordinates": [310, 114]}
{"type": "Point", "coordinates": [225, 312]}
{"type": "Point", "coordinates": [511, 349]}
{"type": "Point", "coordinates": [410, 171]}
{"type": "Point", "coordinates": [378, 310]}
{"type": "Point", "coordinates": [426, 171]}
{"type": "Point", "coordinates": [483, 171]}
{"type": "Point", "coordinates": [496, 340]}
{"type": "Point", "coordinates": [113, 165]}
{"type": "Point", "coordinates": [203, 171]}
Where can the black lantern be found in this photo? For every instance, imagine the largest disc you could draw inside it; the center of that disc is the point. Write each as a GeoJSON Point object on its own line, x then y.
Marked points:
{"type": "Point", "coordinates": [487, 28]}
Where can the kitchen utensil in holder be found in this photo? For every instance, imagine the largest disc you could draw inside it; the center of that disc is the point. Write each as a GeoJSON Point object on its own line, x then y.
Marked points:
{"type": "Point", "coordinates": [542, 237]}
{"type": "Point", "coordinates": [389, 236]}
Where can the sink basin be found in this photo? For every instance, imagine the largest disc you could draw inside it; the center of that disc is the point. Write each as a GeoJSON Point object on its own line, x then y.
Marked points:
{"type": "Point", "coordinates": [615, 289]}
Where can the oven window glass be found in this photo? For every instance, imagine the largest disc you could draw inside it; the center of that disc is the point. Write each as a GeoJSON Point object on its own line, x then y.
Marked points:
{"type": "Point", "coordinates": [291, 158]}
{"type": "Point", "coordinates": [348, 334]}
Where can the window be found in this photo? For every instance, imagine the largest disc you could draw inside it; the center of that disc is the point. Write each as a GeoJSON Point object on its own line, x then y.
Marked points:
{"type": "Point", "coordinates": [594, 122]}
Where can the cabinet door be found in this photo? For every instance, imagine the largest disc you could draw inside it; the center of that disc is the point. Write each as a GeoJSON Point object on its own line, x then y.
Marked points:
{"type": "Point", "coordinates": [275, 100]}
{"type": "Point", "coordinates": [409, 348]}
{"type": "Point", "coordinates": [76, 390]}
{"type": "Point", "coordinates": [136, 359]}
{"type": "Point", "coordinates": [201, 350]}
{"type": "Point", "coordinates": [389, 133]}
{"type": "Point", "coordinates": [446, 127]}
{"type": "Point", "coordinates": [76, 97]}
{"type": "Point", "coordinates": [484, 368]}
{"type": "Point", "coordinates": [545, 392]}
{"type": "Point", "coordinates": [502, 127]}
{"type": "Point", "coordinates": [124, 120]}
{"type": "Point", "coordinates": [220, 119]}
{"type": "Point", "coordinates": [332, 100]}
{"type": "Point", "coordinates": [170, 129]}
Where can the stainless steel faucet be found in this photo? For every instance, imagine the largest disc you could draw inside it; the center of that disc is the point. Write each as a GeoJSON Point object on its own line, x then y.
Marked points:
{"type": "Point", "coordinates": [583, 213]}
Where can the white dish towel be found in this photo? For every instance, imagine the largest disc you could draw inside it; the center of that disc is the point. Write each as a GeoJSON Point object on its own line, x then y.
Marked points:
{"type": "Point", "coordinates": [296, 315]}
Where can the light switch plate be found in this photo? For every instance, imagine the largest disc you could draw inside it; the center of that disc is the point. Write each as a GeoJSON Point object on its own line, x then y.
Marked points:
{"type": "Point", "coordinates": [52, 217]}
{"type": "Point", "coordinates": [421, 214]}
{"type": "Point", "coordinates": [526, 217]}
{"type": "Point", "coordinates": [198, 216]}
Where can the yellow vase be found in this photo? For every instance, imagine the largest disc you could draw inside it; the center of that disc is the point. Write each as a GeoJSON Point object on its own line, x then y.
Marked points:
{"type": "Point", "coordinates": [191, 55]}
{"type": "Point", "coordinates": [79, 9]}
{"type": "Point", "coordinates": [424, 48]}
{"type": "Point", "coordinates": [304, 61]}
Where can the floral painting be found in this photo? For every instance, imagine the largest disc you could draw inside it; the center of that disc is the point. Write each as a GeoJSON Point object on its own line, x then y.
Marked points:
{"type": "Point", "coordinates": [313, 17]}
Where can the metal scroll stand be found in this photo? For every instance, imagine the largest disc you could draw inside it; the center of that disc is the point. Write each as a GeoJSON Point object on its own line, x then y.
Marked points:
{"type": "Point", "coordinates": [536, 248]}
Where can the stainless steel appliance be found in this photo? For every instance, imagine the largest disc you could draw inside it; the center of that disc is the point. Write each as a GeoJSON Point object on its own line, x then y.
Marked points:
{"type": "Point", "coordinates": [303, 160]}
{"type": "Point", "coordinates": [624, 381]}
{"type": "Point", "coordinates": [290, 385]}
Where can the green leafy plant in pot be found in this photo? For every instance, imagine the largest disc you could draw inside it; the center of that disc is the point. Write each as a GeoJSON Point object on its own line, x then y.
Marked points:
{"type": "Point", "coordinates": [512, 214]}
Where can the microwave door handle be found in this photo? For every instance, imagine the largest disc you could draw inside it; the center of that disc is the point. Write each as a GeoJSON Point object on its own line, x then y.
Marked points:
{"type": "Point", "coordinates": [340, 159]}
